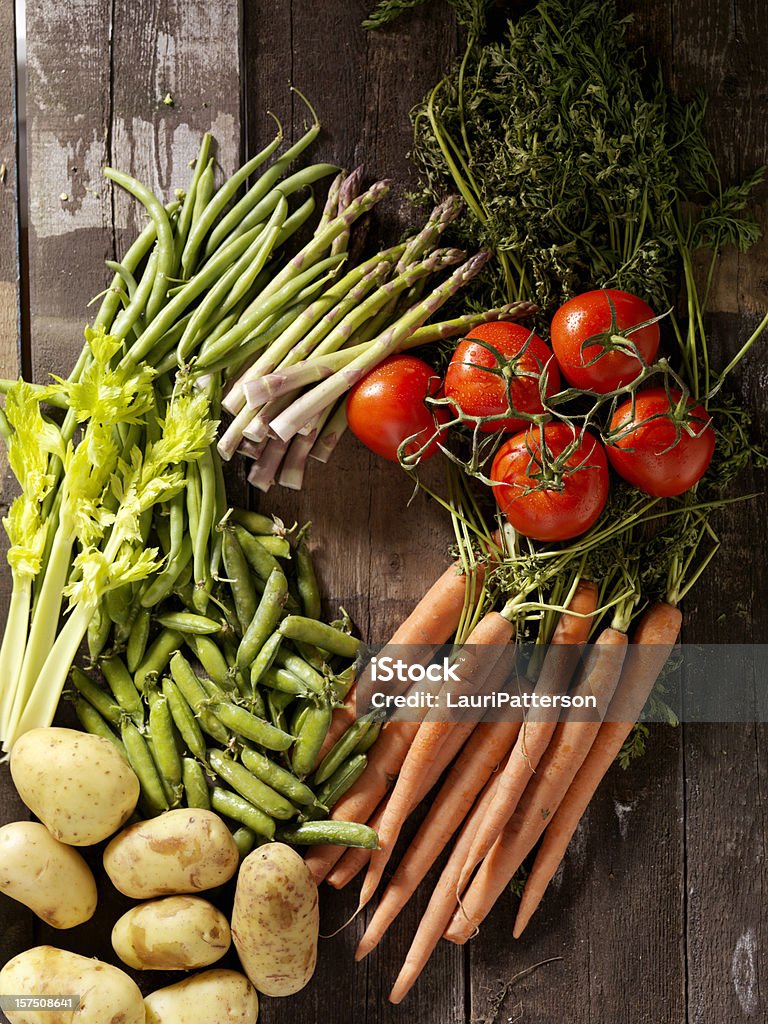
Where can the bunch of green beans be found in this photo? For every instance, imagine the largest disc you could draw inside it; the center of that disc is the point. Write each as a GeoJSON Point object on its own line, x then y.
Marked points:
{"type": "Point", "coordinates": [228, 708]}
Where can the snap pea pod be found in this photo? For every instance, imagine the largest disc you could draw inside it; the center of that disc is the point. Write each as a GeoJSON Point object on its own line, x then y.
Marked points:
{"type": "Point", "coordinates": [284, 681]}
{"type": "Point", "coordinates": [314, 729]}
{"type": "Point", "coordinates": [265, 619]}
{"type": "Point", "coordinates": [206, 520]}
{"type": "Point", "coordinates": [158, 656]}
{"type": "Point", "coordinates": [97, 697]}
{"type": "Point", "coordinates": [189, 622]}
{"type": "Point", "coordinates": [208, 653]}
{"type": "Point", "coordinates": [306, 580]}
{"type": "Point", "coordinates": [343, 748]}
{"type": "Point", "coordinates": [196, 696]}
{"type": "Point", "coordinates": [369, 738]}
{"type": "Point", "coordinates": [345, 776]}
{"type": "Point", "coordinates": [262, 563]}
{"type": "Point", "coordinates": [119, 604]}
{"type": "Point", "coordinates": [194, 497]}
{"type": "Point", "coordinates": [138, 639]}
{"type": "Point", "coordinates": [162, 585]}
{"type": "Point", "coordinates": [92, 722]}
{"type": "Point", "coordinates": [184, 719]}
{"type": "Point", "coordinates": [302, 670]}
{"type": "Point", "coordinates": [141, 760]}
{"type": "Point", "coordinates": [299, 627]}
{"type": "Point", "coordinates": [277, 703]}
{"type": "Point", "coordinates": [99, 629]}
{"type": "Point", "coordinates": [277, 546]}
{"type": "Point", "coordinates": [236, 807]}
{"type": "Point", "coordinates": [313, 656]}
{"type": "Point", "coordinates": [250, 787]}
{"type": "Point", "coordinates": [254, 522]}
{"type": "Point", "coordinates": [336, 833]}
{"type": "Point", "coordinates": [265, 658]}
{"type": "Point", "coordinates": [196, 792]}
{"type": "Point", "coordinates": [245, 841]}
{"type": "Point", "coordinates": [249, 726]}
{"type": "Point", "coordinates": [164, 743]}
{"type": "Point", "coordinates": [343, 682]}
{"type": "Point", "coordinates": [239, 577]}
{"type": "Point", "coordinates": [276, 777]}
{"type": "Point", "coordinates": [123, 688]}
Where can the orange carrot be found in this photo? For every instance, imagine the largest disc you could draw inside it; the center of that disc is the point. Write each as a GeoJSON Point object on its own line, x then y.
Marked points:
{"type": "Point", "coordinates": [559, 663]}
{"type": "Point", "coordinates": [564, 755]}
{"type": "Point", "coordinates": [433, 748]}
{"type": "Point", "coordinates": [355, 858]}
{"type": "Point", "coordinates": [488, 745]}
{"type": "Point", "coordinates": [443, 901]}
{"type": "Point", "coordinates": [652, 643]}
{"type": "Point", "coordinates": [433, 621]}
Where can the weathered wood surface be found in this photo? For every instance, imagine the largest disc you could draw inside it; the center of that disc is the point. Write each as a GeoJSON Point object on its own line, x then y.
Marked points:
{"type": "Point", "coordinates": [657, 915]}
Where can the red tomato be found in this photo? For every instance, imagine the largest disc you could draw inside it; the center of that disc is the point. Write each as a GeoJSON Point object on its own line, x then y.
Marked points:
{"type": "Point", "coordinates": [477, 392]}
{"type": "Point", "coordinates": [387, 406]}
{"type": "Point", "coordinates": [556, 513]}
{"type": "Point", "coordinates": [652, 455]}
{"type": "Point", "coordinates": [590, 316]}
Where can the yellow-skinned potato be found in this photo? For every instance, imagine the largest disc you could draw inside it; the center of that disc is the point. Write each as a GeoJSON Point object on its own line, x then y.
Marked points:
{"type": "Point", "coordinates": [275, 920]}
{"type": "Point", "coordinates": [226, 997]}
{"type": "Point", "coordinates": [78, 785]}
{"type": "Point", "coordinates": [50, 878]}
{"type": "Point", "coordinates": [186, 850]}
{"type": "Point", "coordinates": [178, 933]}
{"type": "Point", "coordinates": [107, 994]}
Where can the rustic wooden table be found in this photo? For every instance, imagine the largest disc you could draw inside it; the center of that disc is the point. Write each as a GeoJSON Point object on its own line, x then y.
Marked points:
{"type": "Point", "coordinates": [658, 913]}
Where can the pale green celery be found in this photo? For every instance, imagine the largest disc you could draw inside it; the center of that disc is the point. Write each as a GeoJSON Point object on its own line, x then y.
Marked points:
{"type": "Point", "coordinates": [13, 646]}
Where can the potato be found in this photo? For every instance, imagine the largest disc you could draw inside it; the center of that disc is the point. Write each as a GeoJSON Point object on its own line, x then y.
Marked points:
{"type": "Point", "coordinates": [185, 850]}
{"type": "Point", "coordinates": [178, 933]}
{"type": "Point", "coordinates": [226, 997]}
{"type": "Point", "coordinates": [275, 920]}
{"type": "Point", "coordinates": [50, 878]}
{"type": "Point", "coordinates": [78, 785]}
{"type": "Point", "coordinates": [107, 994]}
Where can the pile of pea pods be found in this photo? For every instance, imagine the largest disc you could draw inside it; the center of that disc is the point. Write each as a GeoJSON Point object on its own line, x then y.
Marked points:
{"type": "Point", "coordinates": [229, 710]}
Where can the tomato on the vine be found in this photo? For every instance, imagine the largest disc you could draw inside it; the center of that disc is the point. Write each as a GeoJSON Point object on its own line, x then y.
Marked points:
{"type": "Point", "coordinates": [593, 336]}
{"type": "Point", "coordinates": [387, 406]}
{"type": "Point", "coordinates": [664, 445]}
{"type": "Point", "coordinates": [573, 498]}
{"type": "Point", "coordinates": [476, 380]}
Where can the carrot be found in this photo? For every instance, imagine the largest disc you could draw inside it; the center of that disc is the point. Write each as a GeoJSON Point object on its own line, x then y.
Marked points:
{"type": "Point", "coordinates": [488, 745]}
{"type": "Point", "coordinates": [652, 643]}
{"type": "Point", "coordinates": [355, 858]}
{"type": "Point", "coordinates": [562, 655]}
{"type": "Point", "coordinates": [433, 621]}
{"type": "Point", "coordinates": [443, 900]}
{"type": "Point", "coordinates": [433, 748]}
{"type": "Point", "coordinates": [566, 752]}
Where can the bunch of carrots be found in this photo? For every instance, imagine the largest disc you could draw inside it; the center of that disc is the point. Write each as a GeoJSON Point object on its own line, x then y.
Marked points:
{"type": "Point", "coordinates": [511, 781]}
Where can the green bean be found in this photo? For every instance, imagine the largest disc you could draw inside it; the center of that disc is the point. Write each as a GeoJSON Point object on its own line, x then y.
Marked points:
{"type": "Point", "coordinates": [125, 276]}
{"type": "Point", "coordinates": [166, 249]}
{"type": "Point", "coordinates": [276, 777]}
{"type": "Point", "coordinates": [123, 688]}
{"type": "Point", "coordinates": [194, 497]}
{"type": "Point", "coordinates": [99, 629]}
{"type": "Point", "coordinates": [196, 792]}
{"type": "Point", "coordinates": [345, 776]}
{"type": "Point", "coordinates": [265, 658]}
{"type": "Point", "coordinates": [97, 697]}
{"type": "Point", "coordinates": [262, 563]}
{"type": "Point", "coordinates": [265, 619]}
{"type": "Point", "coordinates": [302, 670]}
{"type": "Point", "coordinates": [299, 217]}
{"type": "Point", "coordinates": [249, 726]}
{"type": "Point", "coordinates": [343, 748]}
{"type": "Point", "coordinates": [184, 222]}
{"type": "Point", "coordinates": [284, 681]}
{"type": "Point", "coordinates": [137, 641]}
{"type": "Point", "coordinates": [184, 719]}
{"type": "Point", "coordinates": [128, 320]}
{"type": "Point", "coordinates": [196, 696]}
{"type": "Point", "coordinates": [92, 722]}
{"type": "Point", "coordinates": [277, 703]}
{"type": "Point", "coordinates": [245, 841]}
{"type": "Point", "coordinates": [299, 627]}
{"type": "Point", "coordinates": [165, 746]}
{"type": "Point", "coordinates": [309, 592]}
{"type": "Point", "coordinates": [206, 517]}
{"type": "Point", "coordinates": [238, 809]}
{"type": "Point", "coordinates": [336, 833]}
{"type": "Point", "coordinates": [249, 786]}
{"type": "Point", "coordinates": [219, 203]}
{"type": "Point", "coordinates": [314, 729]}
{"type": "Point", "coordinates": [232, 363]}
{"type": "Point", "coordinates": [140, 759]}
{"type": "Point", "coordinates": [240, 583]}
{"type": "Point", "coordinates": [189, 622]}
{"type": "Point", "coordinates": [162, 585]}
{"type": "Point", "coordinates": [158, 656]}
{"type": "Point", "coordinates": [205, 191]}
{"type": "Point", "coordinates": [213, 661]}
